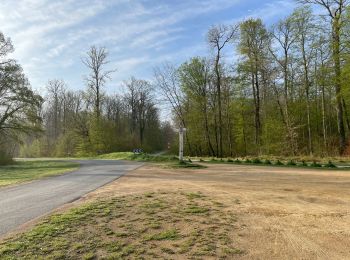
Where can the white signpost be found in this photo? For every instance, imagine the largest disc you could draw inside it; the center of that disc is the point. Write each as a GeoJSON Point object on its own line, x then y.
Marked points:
{"type": "Point", "coordinates": [181, 143]}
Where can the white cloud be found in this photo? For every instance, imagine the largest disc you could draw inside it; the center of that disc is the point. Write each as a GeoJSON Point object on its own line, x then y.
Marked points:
{"type": "Point", "coordinates": [51, 36]}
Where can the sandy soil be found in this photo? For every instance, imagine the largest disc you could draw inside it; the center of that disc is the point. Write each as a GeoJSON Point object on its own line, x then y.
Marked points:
{"type": "Point", "coordinates": [283, 213]}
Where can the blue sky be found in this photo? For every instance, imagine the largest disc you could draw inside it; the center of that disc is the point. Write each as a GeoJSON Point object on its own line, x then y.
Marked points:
{"type": "Point", "coordinates": [51, 37]}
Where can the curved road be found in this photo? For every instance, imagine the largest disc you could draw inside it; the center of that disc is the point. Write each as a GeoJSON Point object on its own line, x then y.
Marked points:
{"type": "Point", "coordinates": [22, 203]}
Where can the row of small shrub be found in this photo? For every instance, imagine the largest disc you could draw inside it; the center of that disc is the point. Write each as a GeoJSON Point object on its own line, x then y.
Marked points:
{"type": "Point", "coordinates": [278, 162]}
{"type": "Point", "coordinates": [145, 157]}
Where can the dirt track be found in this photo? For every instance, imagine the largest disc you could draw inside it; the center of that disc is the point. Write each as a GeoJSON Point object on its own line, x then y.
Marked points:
{"type": "Point", "coordinates": [283, 213]}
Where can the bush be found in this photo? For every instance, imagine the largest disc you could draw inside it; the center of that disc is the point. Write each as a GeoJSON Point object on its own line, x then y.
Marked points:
{"type": "Point", "coordinates": [279, 162]}
{"type": "Point", "coordinates": [315, 164]}
{"type": "Point", "coordinates": [238, 161]}
{"type": "Point", "coordinates": [330, 165]}
{"type": "Point", "coordinates": [201, 160]}
{"type": "Point", "coordinates": [303, 163]}
{"type": "Point", "coordinates": [213, 160]}
{"type": "Point", "coordinates": [257, 161]}
{"type": "Point", "coordinates": [291, 163]}
{"type": "Point", "coordinates": [229, 160]}
{"type": "Point", "coordinates": [267, 162]}
{"type": "Point", "coordinates": [248, 161]}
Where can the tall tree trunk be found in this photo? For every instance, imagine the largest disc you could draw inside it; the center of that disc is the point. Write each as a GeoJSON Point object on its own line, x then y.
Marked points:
{"type": "Point", "coordinates": [218, 87]}
{"type": "Point", "coordinates": [307, 91]}
{"type": "Point", "coordinates": [256, 94]}
{"type": "Point", "coordinates": [207, 133]}
{"type": "Point", "coordinates": [324, 127]}
{"type": "Point", "coordinates": [337, 70]}
{"type": "Point", "coordinates": [346, 114]}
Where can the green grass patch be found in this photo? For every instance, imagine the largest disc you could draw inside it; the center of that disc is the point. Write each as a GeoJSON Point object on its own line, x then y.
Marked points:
{"type": "Point", "coordinates": [23, 171]}
{"type": "Point", "coordinates": [117, 156]}
{"type": "Point", "coordinates": [171, 234]}
{"type": "Point", "coordinates": [168, 161]}
{"type": "Point", "coordinates": [185, 224]}
{"type": "Point", "coordinates": [194, 195]}
{"type": "Point", "coordinates": [195, 209]}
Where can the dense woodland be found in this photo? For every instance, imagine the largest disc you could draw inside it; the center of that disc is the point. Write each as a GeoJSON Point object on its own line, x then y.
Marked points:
{"type": "Point", "coordinates": [90, 122]}
{"type": "Point", "coordinates": [286, 91]}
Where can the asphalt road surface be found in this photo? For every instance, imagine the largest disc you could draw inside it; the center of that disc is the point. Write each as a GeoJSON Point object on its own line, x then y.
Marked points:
{"type": "Point", "coordinates": [22, 203]}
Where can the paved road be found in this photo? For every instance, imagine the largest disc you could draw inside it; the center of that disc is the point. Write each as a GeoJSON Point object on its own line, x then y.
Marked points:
{"type": "Point", "coordinates": [22, 203]}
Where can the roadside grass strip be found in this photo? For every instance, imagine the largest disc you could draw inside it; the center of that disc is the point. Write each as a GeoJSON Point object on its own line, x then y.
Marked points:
{"type": "Point", "coordinates": [147, 226]}
{"type": "Point", "coordinates": [23, 171]}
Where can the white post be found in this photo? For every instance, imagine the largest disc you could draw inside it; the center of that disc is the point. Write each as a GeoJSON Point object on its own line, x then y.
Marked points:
{"type": "Point", "coordinates": [181, 144]}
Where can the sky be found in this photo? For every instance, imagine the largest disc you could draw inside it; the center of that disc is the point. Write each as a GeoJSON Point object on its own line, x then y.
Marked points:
{"type": "Point", "coordinates": [51, 37]}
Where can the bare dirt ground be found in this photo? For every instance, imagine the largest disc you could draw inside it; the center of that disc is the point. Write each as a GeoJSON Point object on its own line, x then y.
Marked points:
{"type": "Point", "coordinates": [283, 213]}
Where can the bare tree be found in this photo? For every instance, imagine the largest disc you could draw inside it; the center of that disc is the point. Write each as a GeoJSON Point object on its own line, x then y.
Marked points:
{"type": "Point", "coordinates": [96, 60]}
{"type": "Point", "coordinates": [218, 37]}
{"type": "Point", "coordinates": [305, 33]}
{"type": "Point", "coordinates": [167, 80]}
{"type": "Point", "coordinates": [284, 37]}
{"type": "Point", "coordinates": [139, 99]}
{"type": "Point", "coordinates": [254, 45]}
{"type": "Point", "coordinates": [56, 93]}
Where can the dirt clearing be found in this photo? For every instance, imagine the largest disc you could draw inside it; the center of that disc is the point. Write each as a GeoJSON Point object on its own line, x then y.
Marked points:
{"type": "Point", "coordinates": [223, 211]}
{"type": "Point", "coordinates": [282, 213]}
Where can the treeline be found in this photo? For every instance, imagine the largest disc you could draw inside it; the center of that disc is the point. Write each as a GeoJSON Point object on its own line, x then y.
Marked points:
{"type": "Point", "coordinates": [90, 122]}
{"type": "Point", "coordinates": [287, 93]}
{"type": "Point", "coordinates": [19, 105]}
{"type": "Point", "coordinates": [76, 123]}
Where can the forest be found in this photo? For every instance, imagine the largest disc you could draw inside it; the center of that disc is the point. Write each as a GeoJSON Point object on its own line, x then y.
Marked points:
{"type": "Point", "coordinates": [285, 92]}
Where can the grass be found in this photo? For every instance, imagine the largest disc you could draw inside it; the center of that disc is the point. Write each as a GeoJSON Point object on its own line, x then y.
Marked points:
{"type": "Point", "coordinates": [186, 165]}
{"type": "Point", "coordinates": [285, 162]}
{"type": "Point", "coordinates": [144, 157]}
{"type": "Point", "coordinates": [23, 171]}
{"type": "Point", "coordinates": [117, 156]}
{"type": "Point", "coordinates": [168, 161]}
{"type": "Point", "coordinates": [146, 226]}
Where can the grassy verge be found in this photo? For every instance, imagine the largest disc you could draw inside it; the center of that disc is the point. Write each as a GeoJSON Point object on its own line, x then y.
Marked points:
{"type": "Point", "coordinates": [148, 226]}
{"type": "Point", "coordinates": [277, 162]}
{"type": "Point", "coordinates": [23, 171]}
{"type": "Point", "coordinates": [144, 157]}
{"type": "Point", "coordinates": [169, 161]}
